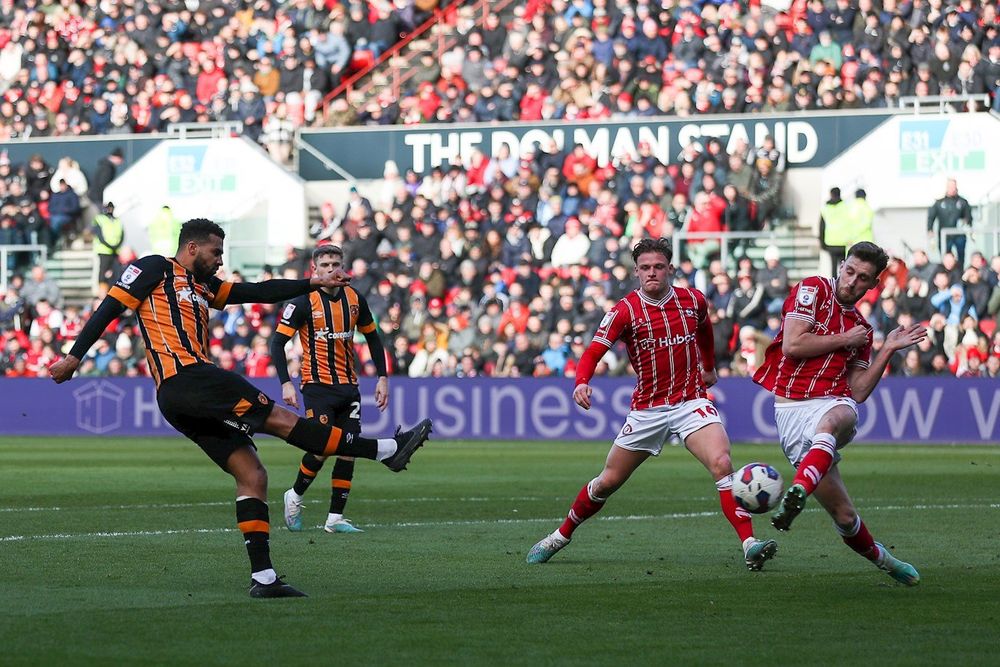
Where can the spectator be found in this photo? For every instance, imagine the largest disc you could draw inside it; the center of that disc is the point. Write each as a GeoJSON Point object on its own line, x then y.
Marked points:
{"type": "Point", "coordinates": [64, 208]}
{"type": "Point", "coordinates": [862, 217]}
{"type": "Point", "coordinates": [109, 235]}
{"type": "Point", "coordinates": [951, 212]}
{"type": "Point", "coordinates": [41, 288]}
{"type": "Point", "coordinates": [765, 192]}
{"type": "Point", "coordinates": [163, 231]}
{"type": "Point", "coordinates": [835, 228]}
{"type": "Point", "coordinates": [107, 169]}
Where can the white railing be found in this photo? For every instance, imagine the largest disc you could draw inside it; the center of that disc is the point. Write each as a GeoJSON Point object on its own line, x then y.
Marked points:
{"type": "Point", "coordinates": [984, 238]}
{"type": "Point", "coordinates": [944, 103]}
{"type": "Point", "coordinates": [216, 130]}
{"type": "Point", "coordinates": [7, 251]}
{"type": "Point", "coordinates": [726, 239]}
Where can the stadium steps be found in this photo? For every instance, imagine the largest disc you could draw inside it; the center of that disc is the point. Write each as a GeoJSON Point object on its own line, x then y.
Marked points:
{"type": "Point", "coordinates": [799, 248]}
{"type": "Point", "coordinates": [73, 271]}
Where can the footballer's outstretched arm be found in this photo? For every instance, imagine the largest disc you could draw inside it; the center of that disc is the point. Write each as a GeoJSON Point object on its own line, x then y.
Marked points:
{"type": "Point", "coordinates": [274, 290]}
{"type": "Point", "coordinates": [109, 310]}
{"type": "Point", "coordinates": [863, 380]}
{"type": "Point", "coordinates": [799, 342]}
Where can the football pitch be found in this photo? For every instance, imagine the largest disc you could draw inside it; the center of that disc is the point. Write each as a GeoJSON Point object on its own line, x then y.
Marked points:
{"type": "Point", "coordinates": [125, 551]}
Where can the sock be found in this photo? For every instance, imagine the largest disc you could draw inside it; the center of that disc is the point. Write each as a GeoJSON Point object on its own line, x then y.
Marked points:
{"type": "Point", "coordinates": [340, 484]}
{"type": "Point", "coordinates": [816, 462]}
{"type": "Point", "coordinates": [326, 440]}
{"type": "Point", "coordinates": [308, 470]}
{"type": "Point", "coordinates": [386, 448]}
{"type": "Point", "coordinates": [585, 506]}
{"type": "Point", "coordinates": [858, 538]}
{"type": "Point", "coordinates": [252, 519]}
{"type": "Point", "coordinates": [738, 517]}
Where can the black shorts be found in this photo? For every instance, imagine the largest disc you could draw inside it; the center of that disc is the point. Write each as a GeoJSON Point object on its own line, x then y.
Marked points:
{"type": "Point", "coordinates": [217, 409]}
{"type": "Point", "coordinates": [336, 405]}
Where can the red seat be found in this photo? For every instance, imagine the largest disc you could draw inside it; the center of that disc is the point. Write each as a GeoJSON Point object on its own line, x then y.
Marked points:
{"type": "Point", "coordinates": [988, 326]}
{"type": "Point", "coordinates": [361, 60]}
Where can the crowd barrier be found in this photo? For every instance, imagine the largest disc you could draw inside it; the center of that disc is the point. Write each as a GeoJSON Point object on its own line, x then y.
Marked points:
{"type": "Point", "coordinates": [924, 410]}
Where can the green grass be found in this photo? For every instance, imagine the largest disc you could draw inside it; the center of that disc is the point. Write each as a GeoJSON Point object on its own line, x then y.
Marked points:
{"type": "Point", "coordinates": [130, 556]}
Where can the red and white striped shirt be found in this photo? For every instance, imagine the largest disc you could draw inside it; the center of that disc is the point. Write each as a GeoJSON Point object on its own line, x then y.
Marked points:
{"type": "Point", "coordinates": [813, 300]}
{"type": "Point", "coordinates": [662, 340]}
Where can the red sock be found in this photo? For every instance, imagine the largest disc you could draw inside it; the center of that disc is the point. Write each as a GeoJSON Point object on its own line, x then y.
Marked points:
{"type": "Point", "coordinates": [859, 539]}
{"type": "Point", "coordinates": [583, 508]}
{"type": "Point", "coordinates": [816, 463]}
{"type": "Point", "coordinates": [737, 516]}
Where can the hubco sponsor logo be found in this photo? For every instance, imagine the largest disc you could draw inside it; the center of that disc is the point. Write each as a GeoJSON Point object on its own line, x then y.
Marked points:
{"type": "Point", "coordinates": [666, 341]}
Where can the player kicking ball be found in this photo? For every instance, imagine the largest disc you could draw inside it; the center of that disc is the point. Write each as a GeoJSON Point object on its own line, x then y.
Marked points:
{"type": "Point", "coordinates": [215, 408]}
{"type": "Point", "coordinates": [670, 344]}
{"type": "Point", "coordinates": [818, 369]}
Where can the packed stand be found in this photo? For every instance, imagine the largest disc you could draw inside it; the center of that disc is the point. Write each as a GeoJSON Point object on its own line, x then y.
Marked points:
{"type": "Point", "coordinates": [505, 267]}
{"type": "Point", "coordinates": [77, 68]}
{"type": "Point", "coordinates": [586, 59]}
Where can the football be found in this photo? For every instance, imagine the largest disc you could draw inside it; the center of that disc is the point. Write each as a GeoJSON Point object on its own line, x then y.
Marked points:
{"type": "Point", "coordinates": [757, 487]}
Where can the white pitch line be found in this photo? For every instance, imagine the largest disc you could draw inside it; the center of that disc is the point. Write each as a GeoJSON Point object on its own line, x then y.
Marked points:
{"type": "Point", "coordinates": [478, 522]}
{"type": "Point", "coordinates": [156, 506]}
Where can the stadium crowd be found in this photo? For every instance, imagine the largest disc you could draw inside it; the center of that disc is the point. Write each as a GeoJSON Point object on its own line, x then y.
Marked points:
{"type": "Point", "coordinates": [77, 67]}
{"type": "Point", "coordinates": [502, 266]}
{"type": "Point", "coordinates": [505, 269]}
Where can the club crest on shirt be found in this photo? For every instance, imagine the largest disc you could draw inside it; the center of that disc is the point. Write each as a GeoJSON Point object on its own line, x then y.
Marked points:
{"type": "Point", "coordinates": [130, 274]}
{"type": "Point", "coordinates": [354, 310]}
{"type": "Point", "coordinates": [287, 312]}
{"type": "Point", "coordinates": [807, 295]}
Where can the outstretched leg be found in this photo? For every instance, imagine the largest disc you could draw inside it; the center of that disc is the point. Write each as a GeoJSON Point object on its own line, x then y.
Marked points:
{"type": "Point", "coordinates": [618, 467]}
{"type": "Point", "coordinates": [834, 429]}
{"type": "Point", "coordinates": [324, 440]}
{"type": "Point", "coordinates": [832, 495]}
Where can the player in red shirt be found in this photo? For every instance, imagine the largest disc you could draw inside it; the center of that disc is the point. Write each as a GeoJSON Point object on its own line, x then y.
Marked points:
{"type": "Point", "coordinates": [818, 368]}
{"type": "Point", "coordinates": [669, 339]}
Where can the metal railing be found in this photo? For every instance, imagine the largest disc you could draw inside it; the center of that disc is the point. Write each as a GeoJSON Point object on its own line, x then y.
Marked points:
{"type": "Point", "coordinates": [984, 238]}
{"type": "Point", "coordinates": [396, 77]}
{"type": "Point", "coordinates": [727, 239]}
{"type": "Point", "coordinates": [216, 130]}
{"type": "Point", "coordinates": [943, 103]}
{"type": "Point", "coordinates": [6, 254]}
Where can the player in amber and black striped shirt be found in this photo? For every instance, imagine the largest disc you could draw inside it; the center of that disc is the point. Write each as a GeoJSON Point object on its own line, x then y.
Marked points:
{"type": "Point", "coordinates": [217, 409]}
{"type": "Point", "coordinates": [325, 321]}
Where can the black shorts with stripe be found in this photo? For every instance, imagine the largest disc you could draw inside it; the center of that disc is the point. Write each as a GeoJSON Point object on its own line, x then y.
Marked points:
{"type": "Point", "coordinates": [336, 405]}
{"type": "Point", "coordinates": [215, 408]}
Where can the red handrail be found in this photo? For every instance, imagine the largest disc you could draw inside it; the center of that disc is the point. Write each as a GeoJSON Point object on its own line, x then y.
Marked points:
{"type": "Point", "coordinates": [398, 80]}
{"type": "Point", "coordinates": [386, 55]}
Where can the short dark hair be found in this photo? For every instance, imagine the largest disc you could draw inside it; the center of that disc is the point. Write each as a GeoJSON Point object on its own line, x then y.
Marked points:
{"type": "Point", "coordinates": [199, 230]}
{"type": "Point", "coordinates": [328, 249]}
{"type": "Point", "coordinates": [660, 245]}
{"type": "Point", "coordinates": [867, 251]}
